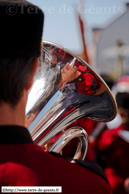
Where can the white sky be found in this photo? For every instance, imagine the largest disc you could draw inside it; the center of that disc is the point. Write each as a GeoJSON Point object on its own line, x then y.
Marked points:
{"type": "Point", "coordinates": [61, 24]}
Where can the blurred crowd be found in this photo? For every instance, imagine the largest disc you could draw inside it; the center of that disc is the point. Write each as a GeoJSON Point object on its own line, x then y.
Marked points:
{"type": "Point", "coordinates": [110, 141]}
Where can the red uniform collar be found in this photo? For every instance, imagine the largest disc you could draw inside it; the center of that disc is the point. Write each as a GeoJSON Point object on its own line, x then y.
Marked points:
{"type": "Point", "coordinates": [13, 134]}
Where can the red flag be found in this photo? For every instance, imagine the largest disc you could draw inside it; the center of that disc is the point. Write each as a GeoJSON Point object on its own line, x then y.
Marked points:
{"type": "Point", "coordinates": [84, 54]}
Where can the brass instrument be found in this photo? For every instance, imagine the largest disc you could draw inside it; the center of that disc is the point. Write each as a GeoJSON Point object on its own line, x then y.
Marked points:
{"type": "Point", "coordinates": [65, 89]}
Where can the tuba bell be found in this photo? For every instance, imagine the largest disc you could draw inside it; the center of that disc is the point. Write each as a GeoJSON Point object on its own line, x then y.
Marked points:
{"type": "Point", "coordinates": [65, 89]}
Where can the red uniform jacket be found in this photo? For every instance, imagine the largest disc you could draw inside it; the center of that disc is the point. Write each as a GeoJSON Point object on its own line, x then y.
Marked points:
{"type": "Point", "coordinates": [114, 147]}
{"type": "Point", "coordinates": [22, 163]}
{"type": "Point", "coordinates": [86, 83]}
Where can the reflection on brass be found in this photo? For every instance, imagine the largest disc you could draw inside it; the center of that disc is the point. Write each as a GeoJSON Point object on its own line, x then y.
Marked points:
{"type": "Point", "coordinates": [65, 89]}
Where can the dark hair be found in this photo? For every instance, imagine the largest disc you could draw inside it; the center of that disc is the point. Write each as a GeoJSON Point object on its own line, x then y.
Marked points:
{"type": "Point", "coordinates": [122, 100]}
{"type": "Point", "coordinates": [13, 78]}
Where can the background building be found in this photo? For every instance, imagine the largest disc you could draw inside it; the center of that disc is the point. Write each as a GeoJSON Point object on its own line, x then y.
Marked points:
{"type": "Point", "coordinates": [112, 46]}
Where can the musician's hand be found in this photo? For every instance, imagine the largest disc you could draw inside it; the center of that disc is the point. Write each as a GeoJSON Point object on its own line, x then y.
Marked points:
{"type": "Point", "coordinates": [70, 73]}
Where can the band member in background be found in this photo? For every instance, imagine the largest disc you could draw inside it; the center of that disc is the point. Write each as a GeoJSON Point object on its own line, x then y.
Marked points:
{"type": "Point", "coordinates": [23, 163]}
{"type": "Point", "coordinates": [113, 149]}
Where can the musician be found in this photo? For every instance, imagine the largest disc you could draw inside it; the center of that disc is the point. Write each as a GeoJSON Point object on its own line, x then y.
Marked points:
{"type": "Point", "coordinates": [84, 81]}
{"type": "Point", "coordinates": [113, 149]}
{"type": "Point", "coordinates": [23, 163]}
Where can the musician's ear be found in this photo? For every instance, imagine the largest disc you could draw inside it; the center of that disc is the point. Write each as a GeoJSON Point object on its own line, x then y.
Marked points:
{"type": "Point", "coordinates": [34, 66]}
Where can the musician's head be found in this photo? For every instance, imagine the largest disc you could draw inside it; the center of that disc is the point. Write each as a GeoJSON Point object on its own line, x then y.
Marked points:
{"type": "Point", "coordinates": [122, 100]}
{"type": "Point", "coordinates": [20, 43]}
